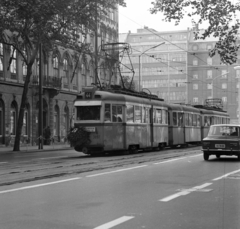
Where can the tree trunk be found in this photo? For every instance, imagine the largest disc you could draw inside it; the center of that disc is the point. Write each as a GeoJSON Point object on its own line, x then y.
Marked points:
{"type": "Point", "coordinates": [22, 108]}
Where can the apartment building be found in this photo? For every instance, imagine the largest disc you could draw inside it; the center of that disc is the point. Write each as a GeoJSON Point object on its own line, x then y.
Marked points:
{"type": "Point", "coordinates": [177, 68]}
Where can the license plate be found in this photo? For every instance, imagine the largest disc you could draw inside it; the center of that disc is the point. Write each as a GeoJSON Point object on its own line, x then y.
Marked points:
{"type": "Point", "coordinates": [219, 145]}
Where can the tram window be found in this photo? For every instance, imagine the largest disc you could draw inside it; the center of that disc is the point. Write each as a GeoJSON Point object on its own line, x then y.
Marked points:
{"type": "Point", "coordinates": [107, 113]}
{"type": "Point", "coordinates": [180, 119]}
{"type": "Point", "coordinates": [211, 121]}
{"type": "Point", "coordinates": [206, 121]}
{"type": "Point", "coordinates": [186, 119]}
{"type": "Point", "coordinates": [164, 117]}
{"type": "Point", "coordinates": [143, 115]}
{"type": "Point", "coordinates": [117, 113]}
{"type": "Point", "coordinates": [194, 120]}
{"type": "Point", "coordinates": [198, 120]}
{"type": "Point", "coordinates": [158, 116]}
{"type": "Point", "coordinates": [174, 118]}
{"type": "Point", "coordinates": [147, 115]}
{"type": "Point", "coordinates": [154, 116]}
{"type": "Point", "coordinates": [88, 113]}
{"type": "Point", "coordinates": [190, 119]}
{"type": "Point", "coordinates": [138, 114]}
{"type": "Point", "coordinates": [129, 113]}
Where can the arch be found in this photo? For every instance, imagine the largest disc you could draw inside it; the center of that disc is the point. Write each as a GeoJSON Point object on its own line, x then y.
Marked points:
{"type": "Point", "coordinates": [56, 122]}
{"type": "Point", "coordinates": [2, 121]}
{"type": "Point", "coordinates": [26, 121]}
{"type": "Point", "coordinates": [68, 55]}
{"type": "Point", "coordinates": [13, 117]}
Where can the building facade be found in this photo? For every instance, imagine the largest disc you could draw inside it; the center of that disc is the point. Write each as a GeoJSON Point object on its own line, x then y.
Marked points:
{"type": "Point", "coordinates": [64, 76]}
{"type": "Point", "coordinates": [177, 68]}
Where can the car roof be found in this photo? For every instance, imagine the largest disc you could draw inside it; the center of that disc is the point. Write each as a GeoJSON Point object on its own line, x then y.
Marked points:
{"type": "Point", "coordinates": [238, 125]}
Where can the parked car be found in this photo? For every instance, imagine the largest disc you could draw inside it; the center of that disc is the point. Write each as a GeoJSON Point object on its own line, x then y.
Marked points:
{"type": "Point", "coordinates": [222, 139]}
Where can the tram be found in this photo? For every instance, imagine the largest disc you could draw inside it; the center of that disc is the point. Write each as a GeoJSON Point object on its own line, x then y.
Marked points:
{"type": "Point", "coordinates": [118, 120]}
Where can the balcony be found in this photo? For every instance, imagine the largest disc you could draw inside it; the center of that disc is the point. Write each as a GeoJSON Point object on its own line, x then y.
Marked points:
{"type": "Point", "coordinates": [51, 83]}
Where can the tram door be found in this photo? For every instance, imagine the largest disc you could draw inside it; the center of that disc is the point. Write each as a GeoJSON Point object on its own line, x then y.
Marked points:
{"type": "Point", "coordinates": [178, 128]}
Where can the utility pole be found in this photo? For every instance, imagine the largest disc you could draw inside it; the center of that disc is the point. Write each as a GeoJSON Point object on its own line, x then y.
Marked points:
{"type": "Point", "coordinates": [40, 109]}
{"type": "Point", "coordinates": [96, 46]}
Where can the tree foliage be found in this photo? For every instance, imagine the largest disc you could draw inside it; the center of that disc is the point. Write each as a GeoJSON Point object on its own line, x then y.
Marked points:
{"type": "Point", "coordinates": [24, 24]}
{"type": "Point", "coordinates": [217, 14]}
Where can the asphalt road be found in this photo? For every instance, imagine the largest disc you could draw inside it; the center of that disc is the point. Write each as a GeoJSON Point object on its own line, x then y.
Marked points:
{"type": "Point", "coordinates": [139, 191]}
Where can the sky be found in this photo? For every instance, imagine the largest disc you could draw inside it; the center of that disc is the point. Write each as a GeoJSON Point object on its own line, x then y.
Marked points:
{"type": "Point", "coordinates": [137, 15]}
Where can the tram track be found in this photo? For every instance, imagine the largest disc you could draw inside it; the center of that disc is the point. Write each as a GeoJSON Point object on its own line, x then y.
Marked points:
{"type": "Point", "coordinates": [38, 170]}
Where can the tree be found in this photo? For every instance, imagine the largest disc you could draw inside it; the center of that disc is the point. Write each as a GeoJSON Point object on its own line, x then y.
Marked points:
{"type": "Point", "coordinates": [219, 16]}
{"type": "Point", "coordinates": [25, 25]}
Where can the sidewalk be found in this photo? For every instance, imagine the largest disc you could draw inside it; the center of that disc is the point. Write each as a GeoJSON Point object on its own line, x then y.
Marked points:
{"type": "Point", "coordinates": [30, 149]}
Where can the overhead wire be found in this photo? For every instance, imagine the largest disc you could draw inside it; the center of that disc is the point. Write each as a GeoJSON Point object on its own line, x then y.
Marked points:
{"type": "Point", "coordinates": [191, 53]}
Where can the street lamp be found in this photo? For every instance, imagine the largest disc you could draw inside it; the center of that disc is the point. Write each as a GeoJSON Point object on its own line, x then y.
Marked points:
{"type": "Point", "coordinates": [214, 79]}
{"type": "Point", "coordinates": [140, 63]}
{"type": "Point", "coordinates": [238, 68]}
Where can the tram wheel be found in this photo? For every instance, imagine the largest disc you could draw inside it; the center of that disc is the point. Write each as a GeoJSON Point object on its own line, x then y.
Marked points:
{"type": "Point", "coordinates": [133, 149]}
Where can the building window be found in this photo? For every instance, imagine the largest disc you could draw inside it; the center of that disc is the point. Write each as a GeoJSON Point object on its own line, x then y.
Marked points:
{"type": "Point", "coordinates": [55, 66]}
{"type": "Point", "coordinates": [209, 74]}
{"type": "Point", "coordinates": [195, 86]}
{"type": "Point", "coordinates": [224, 73]}
{"type": "Point", "coordinates": [13, 66]}
{"type": "Point", "coordinates": [1, 57]}
{"type": "Point", "coordinates": [56, 121]}
{"type": "Point", "coordinates": [66, 72]}
{"type": "Point", "coordinates": [224, 86]}
{"type": "Point", "coordinates": [224, 99]}
{"type": "Point", "coordinates": [25, 128]}
{"type": "Point", "coordinates": [195, 76]}
{"type": "Point", "coordinates": [209, 47]}
{"type": "Point", "coordinates": [195, 99]}
{"type": "Point", "coordinates": [238, 73]}
{"type": "Point", "coordinates": [24, 71]}
{"type": "Point", "coordinates": [209, 86]}
{"type": "Point", "coordinates": [84, 76]}
{"type": "Point", "coordinates": [13, 118]}
{"type": "Point", "coordinates": [209, 61]}
{"type": "Point", "coordinates": [195, 61]}
{"type": "Point", "coordinates": [1, 118]}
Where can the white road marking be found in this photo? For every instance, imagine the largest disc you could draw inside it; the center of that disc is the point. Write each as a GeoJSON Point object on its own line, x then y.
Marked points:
{"type": "Point", "coordinates": [43, 158]}
{"type": "Point", "coordinates": [38, 185]}
{"type": "Point", "coordinates": [116, 171]}
{"type": "Point", "coordinates": [3, 162]}
{"type": "Point", "coordinates": [184, 192]}
{"type": "Point", "coordinates": [115, 222]}
{"type": "Point", "coordinates": [196, 155]}
{"type": "Point", "coordinates": [176, 159]}
{"type": "Point", "coordinates": [219, 178]}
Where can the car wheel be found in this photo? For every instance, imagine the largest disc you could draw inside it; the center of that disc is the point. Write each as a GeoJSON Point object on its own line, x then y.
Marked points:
{"type": "Point", "coordinates": [239, 157]}
{"type": "Point", "coordinates": [218, 156]}
{"type": "Point", "coordinates": [205, 156]}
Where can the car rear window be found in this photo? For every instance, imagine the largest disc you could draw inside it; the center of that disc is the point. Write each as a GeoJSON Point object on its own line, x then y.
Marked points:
{"type": "Point", "coordinates": [224, 131]}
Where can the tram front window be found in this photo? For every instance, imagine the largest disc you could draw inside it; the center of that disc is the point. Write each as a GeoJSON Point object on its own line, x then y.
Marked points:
{"type": "Point", "coordinates": [88, 113]}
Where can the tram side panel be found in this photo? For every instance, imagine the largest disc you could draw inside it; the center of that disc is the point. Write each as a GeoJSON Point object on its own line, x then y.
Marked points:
{"type": "Point", "coordinates": [113, 137]}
